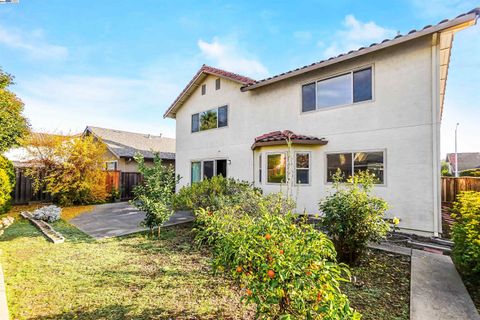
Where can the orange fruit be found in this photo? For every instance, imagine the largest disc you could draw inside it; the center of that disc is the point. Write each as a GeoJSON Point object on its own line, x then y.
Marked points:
{"type": "Point", "coordinates": [281, 251]}
{"type": "Point", "coordinates": [271, 274]}
{"type": "Point", "coordinates": [239, 269]}
{"type": "Point", "coordinates": [319, 296]}
{"type": "Point", "coordinates": [268, 236]}
{"type": "Point", "coordinates": [249, 292]}
{"type": "Point", "coordinates": [309, 273]}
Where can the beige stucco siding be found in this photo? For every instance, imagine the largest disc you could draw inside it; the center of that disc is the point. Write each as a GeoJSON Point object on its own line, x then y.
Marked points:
{"type": "Point", "coordinates": [398, 121]}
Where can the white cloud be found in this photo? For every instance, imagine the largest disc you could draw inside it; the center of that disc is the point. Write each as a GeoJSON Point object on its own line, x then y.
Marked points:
{"type": "Point", "coordinates": [31, 43]}
{"type": "Point", "coordinates": [356, 34]}
{"type": "Point", "coordinates": [69, 103]}
{"type": "Point", "coordinates": [229, 57]}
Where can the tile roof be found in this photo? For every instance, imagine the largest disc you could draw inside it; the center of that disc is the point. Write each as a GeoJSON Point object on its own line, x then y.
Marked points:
{"type": "Point", "coordinates": [444, 24]}
{"type": "Point", "coordinates": [126, 144]}
{"type": "Point", "coordinates": [203, 71]}
{"type": "Point", "coordinates": [466, 160]}
{"type": "Point", "coordinates": [281, 137]}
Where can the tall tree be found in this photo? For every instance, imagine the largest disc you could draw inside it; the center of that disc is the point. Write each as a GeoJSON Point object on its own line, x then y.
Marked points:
{"type": "Point", "coordinates": [13, 125]}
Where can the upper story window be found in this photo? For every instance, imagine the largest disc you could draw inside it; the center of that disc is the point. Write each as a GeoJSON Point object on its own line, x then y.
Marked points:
{"type": "Point", "coordinates": [210, 119]}
{"type": "Point", "coordinates": [217, 84]}
{"type": "Point", "coordinates": [348, 88]}
{"type": "Point", "coordinates": [204, 89]}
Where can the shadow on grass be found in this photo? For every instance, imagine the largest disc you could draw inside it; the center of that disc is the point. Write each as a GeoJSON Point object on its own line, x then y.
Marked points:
{"type": "Point", "coordinates": [22, 228]}
{"type": "Point", "coordinates": [117, 311]}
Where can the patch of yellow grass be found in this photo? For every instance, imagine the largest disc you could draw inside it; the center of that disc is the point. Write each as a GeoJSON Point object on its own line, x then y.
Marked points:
{"type": "Point", "coordinates": [69, 213]}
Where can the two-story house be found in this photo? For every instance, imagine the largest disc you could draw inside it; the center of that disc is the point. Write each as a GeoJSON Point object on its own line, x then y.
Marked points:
{"type": "Point", "coordinates": [368, 109]}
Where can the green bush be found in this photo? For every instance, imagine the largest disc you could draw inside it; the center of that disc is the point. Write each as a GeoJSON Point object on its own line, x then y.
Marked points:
{"type": "Point", "coordinates": [466, 233]}
{"type": "Point", "coordinates": [288, 270]}
{"type": "Point", "coordinates": [155, 195]}
{"type": "Point", "coordinates": [353, 217]}
{"type": "Point", "coordinates": [470, 173]}
{"type": "Point", "coordinates": [7, 183]}
{"type": "Point", "coordinates": [213, 193]}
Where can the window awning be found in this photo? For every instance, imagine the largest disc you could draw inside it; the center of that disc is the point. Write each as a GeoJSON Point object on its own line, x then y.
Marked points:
{"type": "Point", "coordinates": [275, 138]}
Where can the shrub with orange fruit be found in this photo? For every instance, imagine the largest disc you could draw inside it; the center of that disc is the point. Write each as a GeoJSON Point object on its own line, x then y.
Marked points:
{"type": "Point", "coordinates": [289, 269]}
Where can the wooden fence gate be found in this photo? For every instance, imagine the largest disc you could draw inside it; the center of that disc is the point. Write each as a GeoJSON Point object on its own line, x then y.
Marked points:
{"type": "Point", "coordinates": [24, 192]}
{"type": "Point", "coordinates": [128, 181]}
{"type": "Point", "coordinates": [452, 186]}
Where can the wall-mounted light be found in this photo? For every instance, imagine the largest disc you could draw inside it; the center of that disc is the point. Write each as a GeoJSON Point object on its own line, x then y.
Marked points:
{"type": "Point", "coordinates": [229, 161]}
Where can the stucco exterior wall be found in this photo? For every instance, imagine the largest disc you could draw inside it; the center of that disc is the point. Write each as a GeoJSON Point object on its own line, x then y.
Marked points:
{"type": "Point", "coordinates": [397, 121]}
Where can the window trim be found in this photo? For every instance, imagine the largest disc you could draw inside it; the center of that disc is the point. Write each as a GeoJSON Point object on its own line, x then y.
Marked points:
{"type": "Point", "coordinates": [214, 166]}
{"type": "Point", "coordinates": [266, 167]}
{"type": "Point", "coordinates": [334, 75]}
{"type": "Point", "coordinates": [203, 89]}
{"type": "Point", "coordinates": [384, 151]}
{"type": "Point", "coordinates": [309, 169]}
{"type": "Point", "coordinates": [111, 161]}
{"type": "Point", "coordinates": [218, 107]}
{"type": "Point", "coordinates": [260, 169]}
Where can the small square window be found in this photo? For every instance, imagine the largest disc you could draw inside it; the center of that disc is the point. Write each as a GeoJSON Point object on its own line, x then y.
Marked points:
{"type": "Point", "coordinates": [204, 89]}
{"type": "Point", "coordinates": [217, 84]}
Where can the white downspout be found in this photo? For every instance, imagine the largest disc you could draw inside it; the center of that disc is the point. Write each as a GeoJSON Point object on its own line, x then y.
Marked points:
{"type": "Point", "coordinates": [437, 227]}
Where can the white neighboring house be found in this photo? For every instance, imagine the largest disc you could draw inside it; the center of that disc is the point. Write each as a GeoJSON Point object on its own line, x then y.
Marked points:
{"type": "Point", "coordinates": [372, 108]}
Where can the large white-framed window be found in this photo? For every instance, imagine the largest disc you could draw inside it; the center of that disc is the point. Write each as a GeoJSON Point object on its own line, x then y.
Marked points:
{"type": "Point", "coordinates": [276, 167]}
{"type": "Point", "coordinates": [350, 163]}
{"type": "Point", "coordinates": [206, 169]}
{"type": "Point", "coordinates": [302, 168]}
{"type": "Point", "coordinates": [348, 88]}
{"type": "Point", "coordinates": [210, 119]}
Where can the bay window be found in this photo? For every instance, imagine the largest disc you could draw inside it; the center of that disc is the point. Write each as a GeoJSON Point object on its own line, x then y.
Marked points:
{"type": "Point", "coordinates": [276, 168]}
{"type": "Point", "coordinates": [302, 168]}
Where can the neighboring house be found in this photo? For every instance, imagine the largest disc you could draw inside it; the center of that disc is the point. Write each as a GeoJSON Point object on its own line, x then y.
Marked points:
{"type": "Point", "coordinates": [122, 147]}
{"type": "Point", "coordinates": [368, 109]}
{"type": "Point", "coordinates": [466, 161]}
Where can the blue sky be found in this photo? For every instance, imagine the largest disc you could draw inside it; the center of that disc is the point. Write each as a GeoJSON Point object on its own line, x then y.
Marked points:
{"type": "Point", "coordinates": [119, 64]}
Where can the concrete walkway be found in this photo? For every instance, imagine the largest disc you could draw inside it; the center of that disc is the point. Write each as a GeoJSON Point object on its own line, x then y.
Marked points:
{"type": "Point", "coordinates": [437, 291]}
{"type": "Point", "coordinates": [118, 219]}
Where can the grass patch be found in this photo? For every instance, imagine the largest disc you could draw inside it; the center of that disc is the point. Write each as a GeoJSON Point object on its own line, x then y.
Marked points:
{"type": "Point", "coordinates": [382, 287]}
{"type": "Point", "coordinates": [131, 277]}
{"type": "Point", "coordinates": [135, 277]}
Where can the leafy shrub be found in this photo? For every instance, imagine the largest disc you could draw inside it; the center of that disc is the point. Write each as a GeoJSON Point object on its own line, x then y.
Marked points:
{"type": "Point", "coordinates": [70, 168]}
{"type": "Point", "coordinates": [7, 182]}
{"type": "Point", "coordinates": [214, 193]}
{"type": "Point", "coordinates": [470, 173]}
{"type": "Point", "coordinates": [466, 233]}
{"type": "Point", "coordinates": [48, 213]}
{"type": "Point", "coordinates": [155, 195]}
{"type": "Point", "coordinates": [288, 270]}
{"type": "Point", "coordinates": [353, 217]}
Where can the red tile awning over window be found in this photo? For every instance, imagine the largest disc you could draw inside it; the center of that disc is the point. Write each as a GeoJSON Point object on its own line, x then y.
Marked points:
{"type": "Point", "coordinates": [282, 137]}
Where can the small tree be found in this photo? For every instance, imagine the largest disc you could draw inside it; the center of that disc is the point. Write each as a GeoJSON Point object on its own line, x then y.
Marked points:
{"type": "Point", "coordinates": [13, 125]}
{"type": "Point", "coordinates": [70, 168]}
{"type": "Point", "coordinates": [154, 196]}
{"type": "Point", "coordinates": [7, 182]}
{"type": "Point", "coordinates": [353, 217]}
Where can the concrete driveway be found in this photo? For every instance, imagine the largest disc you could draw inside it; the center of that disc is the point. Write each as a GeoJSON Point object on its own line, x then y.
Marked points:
{"type": "Point", "coordinates": [118, 219]}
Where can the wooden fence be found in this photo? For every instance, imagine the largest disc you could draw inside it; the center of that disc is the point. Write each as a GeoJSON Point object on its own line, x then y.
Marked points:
{"type": "Point", "coordinates": [453, 186]}
{"type": "Point", "coordinates": [24, 192]}
{"type": "Point", "coordinates": [128, 181]}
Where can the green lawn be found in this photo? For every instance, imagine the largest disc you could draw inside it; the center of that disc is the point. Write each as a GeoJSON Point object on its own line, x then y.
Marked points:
{"type": "Point", "coordinates": [125, 278]}
{"type": "Point", "coordinates": [135, 277]}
